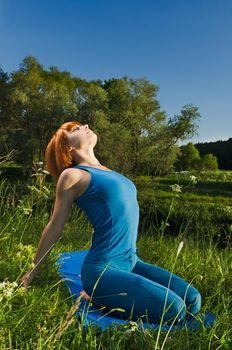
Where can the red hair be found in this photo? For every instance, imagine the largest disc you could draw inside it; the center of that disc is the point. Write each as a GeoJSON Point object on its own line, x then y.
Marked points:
{"type": "Point", "coordinates": [57, 155]}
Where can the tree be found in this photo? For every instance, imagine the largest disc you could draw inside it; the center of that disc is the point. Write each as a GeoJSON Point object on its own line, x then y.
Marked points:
{"type": "Point", "coordinates": [221, 149]}
{"type": "Point", "coordinates": [189, 157]}
{"type": "Point", "coordinates": [165, 135]}
{"type": "Point", "coordinates": [38, 102]}
{"type": "Point", "coordinates": [133, 106]}
{"type": "Point", "coordinates": [133, 132]}
{"type": "Point", "coordinates": [209, 162]}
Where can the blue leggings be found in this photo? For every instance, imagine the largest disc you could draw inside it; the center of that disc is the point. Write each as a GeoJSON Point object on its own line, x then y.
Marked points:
{"type": "Point", "coordinates": [141, 292]}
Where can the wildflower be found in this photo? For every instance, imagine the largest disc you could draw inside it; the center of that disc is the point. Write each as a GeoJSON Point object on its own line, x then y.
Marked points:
{"type": "Point", "coordinates": [33, 188]}
{"type": "Point", "coordinates": [27, 211]}
{"type": "Point", "coordinates": [27, 248]}
{"type": "Point", "coordinates": [131, 326]}
{"type": "Point", "coordinates": [32, 265]}
{"type": "Point", "coordinates": [176, 188]}
{"type": "Point", "coordinates": [193, 179]}
{"type": "Point", "coordinates": [24, 209]}
{"type": "Point", "coordinates": [7, 289]}
{"type": "Point", "coordinates": [227, 209]}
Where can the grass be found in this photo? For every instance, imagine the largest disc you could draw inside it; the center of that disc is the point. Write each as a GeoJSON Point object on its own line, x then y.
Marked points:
{"type": "Point", "coordinates": [42, 318]}
{"type": "Point", "coordinates": [209, 186]}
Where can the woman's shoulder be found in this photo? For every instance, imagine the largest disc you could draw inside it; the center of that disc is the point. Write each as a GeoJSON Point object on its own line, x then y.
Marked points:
{"type": "Point", "coordinates": [70, 177]}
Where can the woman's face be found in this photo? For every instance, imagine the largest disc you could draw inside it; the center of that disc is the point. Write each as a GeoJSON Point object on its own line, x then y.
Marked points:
{"type": "Point", "coordinates": [81, 136]}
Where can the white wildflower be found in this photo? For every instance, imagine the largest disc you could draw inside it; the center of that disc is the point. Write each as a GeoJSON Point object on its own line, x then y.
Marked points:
{"type": "Point", "coordinates": [193, 179]}
{"type": "Point", "coordinates": [7, 289]}
{"type": "Point", "coordinates": [227, 209]}
{"type": "Point", "coordinates": [7, 293]}
{"type": "Point", "coordinates": [176, 188]}
{"type": "Point", "coordinates": [27, 211]}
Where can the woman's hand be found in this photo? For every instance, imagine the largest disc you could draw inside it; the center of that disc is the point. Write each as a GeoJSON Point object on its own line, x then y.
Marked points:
{"type": "Point", "coordinates": [26, 279]}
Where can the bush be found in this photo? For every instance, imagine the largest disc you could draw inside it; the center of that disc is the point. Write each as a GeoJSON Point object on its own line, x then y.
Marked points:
{"type": "Point", "coordinates": [13, 171]}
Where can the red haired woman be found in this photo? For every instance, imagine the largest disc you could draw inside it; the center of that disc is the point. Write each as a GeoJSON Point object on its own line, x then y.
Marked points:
{"type": "Point", "coordinates": [112, 272]}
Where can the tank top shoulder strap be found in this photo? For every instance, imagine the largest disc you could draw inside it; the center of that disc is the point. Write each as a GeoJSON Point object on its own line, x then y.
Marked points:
{"type": "Point", "coordinates": [83, 167]}
{"type": "Point", "coordinates": [92, 169]}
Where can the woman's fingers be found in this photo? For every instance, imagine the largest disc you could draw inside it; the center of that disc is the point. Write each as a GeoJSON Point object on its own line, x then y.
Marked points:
{"type": "Point", "coordinates": [23, 283]}
{"type": "Point", "coordinates": [25, 280]}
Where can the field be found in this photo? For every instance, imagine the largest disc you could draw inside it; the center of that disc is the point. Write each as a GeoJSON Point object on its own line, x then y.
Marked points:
{"type": "Point", "coordinates": [36, 319]}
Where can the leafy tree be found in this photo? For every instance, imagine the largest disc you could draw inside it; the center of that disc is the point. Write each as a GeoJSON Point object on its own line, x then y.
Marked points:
{"type": "Point", "coordinates": [165, 136]}
{"type": "Point", "coordinates": [209, 162]}
{"type": "Point", "coordinates": [134, 133]}
{"type": "Point", "coordinates": [189, 158]}
{"type": "Point", "coordinates": [133, 106]}
{"type": "Point", "coordinates": [38, 101]}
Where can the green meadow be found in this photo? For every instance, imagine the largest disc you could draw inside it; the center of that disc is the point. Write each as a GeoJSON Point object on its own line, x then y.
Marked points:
{"type": "Point", "coordinates": [193, 208]}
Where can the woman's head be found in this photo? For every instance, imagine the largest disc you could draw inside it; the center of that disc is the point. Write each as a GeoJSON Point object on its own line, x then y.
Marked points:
{"type": "Point", "coordinates": [69, 136]}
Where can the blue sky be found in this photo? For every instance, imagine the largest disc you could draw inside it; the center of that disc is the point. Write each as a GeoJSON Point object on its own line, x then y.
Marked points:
{"type": "Point", "coordinates": [183, 46]}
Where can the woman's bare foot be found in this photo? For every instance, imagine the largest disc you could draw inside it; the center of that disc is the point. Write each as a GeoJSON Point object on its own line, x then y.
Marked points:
{"type": "Point", "coordinates": [84, 295]}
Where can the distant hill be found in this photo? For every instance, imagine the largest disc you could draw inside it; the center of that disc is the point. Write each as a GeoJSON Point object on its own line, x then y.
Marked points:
{"type": "Point", "coordinates": [221, 149]}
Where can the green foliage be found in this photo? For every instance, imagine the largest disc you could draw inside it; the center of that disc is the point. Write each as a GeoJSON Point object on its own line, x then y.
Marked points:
{"type": "Point", "coordinates": [189, 159]}
{"type": "Point", "coordinates": [224, 176]}
{"type": "Point", "coordinates": [11, 170]}
{"type": "Point", "coordinates": [220, 149]}
{"type": "Point", "coordinates": [193, 205]}
{"type": "Point", "coordinates": [209, 162]}
{"type": "Point", "coordinates": [133, 132]}
{"type": "Point", "coordinates": [38, 101]}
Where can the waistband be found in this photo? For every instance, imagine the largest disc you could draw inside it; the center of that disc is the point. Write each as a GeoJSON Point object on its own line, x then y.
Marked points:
{"type": "Point", "coordinates": [121, 263]}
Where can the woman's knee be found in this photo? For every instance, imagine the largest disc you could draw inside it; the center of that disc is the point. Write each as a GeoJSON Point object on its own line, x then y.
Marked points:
{"type": "Point", "coordinates": [176, 311]}
{"type": "Point", "coordinates": [170, 309]}
{"type": "Point", "coordinates": [193, 301]}
{"type": "Point", "coordinates": [179, 307]}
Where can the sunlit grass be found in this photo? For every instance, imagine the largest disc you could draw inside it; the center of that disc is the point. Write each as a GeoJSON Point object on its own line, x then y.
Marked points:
{"type": "Point", "coordinates": [43, 317]}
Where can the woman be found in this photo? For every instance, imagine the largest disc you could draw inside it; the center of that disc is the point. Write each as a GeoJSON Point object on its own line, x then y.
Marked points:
{"type": "Point", "coordinates": [112, 273]}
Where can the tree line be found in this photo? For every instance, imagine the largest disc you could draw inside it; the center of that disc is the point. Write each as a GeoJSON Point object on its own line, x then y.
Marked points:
{"type": "Point", "coordinates": [220, 149]}
{"type": "Point", "coordinates": [190, 158]}
{"type": "Point", "coordinates": [134, 135]}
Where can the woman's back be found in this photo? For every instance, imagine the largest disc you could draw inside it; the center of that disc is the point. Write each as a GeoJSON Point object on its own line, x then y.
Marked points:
{"type": "Point", "coordinates": [110, 203]}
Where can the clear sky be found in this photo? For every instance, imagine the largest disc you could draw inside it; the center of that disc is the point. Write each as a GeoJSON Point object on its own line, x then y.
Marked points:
{"type": "Point", "coordinates": [183, 46]}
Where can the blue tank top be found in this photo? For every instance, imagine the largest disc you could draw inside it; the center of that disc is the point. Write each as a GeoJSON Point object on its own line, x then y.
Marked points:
{"type": "Point", "coordinates": [110, 203]}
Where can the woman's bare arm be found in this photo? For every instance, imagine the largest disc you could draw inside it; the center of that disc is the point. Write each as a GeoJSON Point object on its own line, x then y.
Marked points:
{"type": "Point", "coordinates": [66, 191]}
